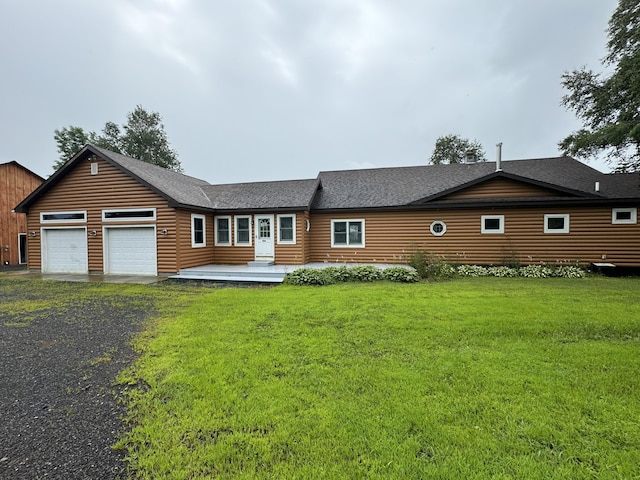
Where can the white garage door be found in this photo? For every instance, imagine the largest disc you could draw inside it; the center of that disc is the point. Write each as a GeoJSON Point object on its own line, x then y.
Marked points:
{"type": "Point", "coordinates": [64, 250]}
{"type": "Point", "coordinates": [130, 251]}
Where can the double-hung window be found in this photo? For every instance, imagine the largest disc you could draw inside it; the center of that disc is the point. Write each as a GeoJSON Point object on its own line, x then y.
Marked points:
{"type": "Point", "coordinates": [492, 224]}
{"type": "Point", "coordinates": [198, 231]}
{"type": "Point", "coordinates": [243, 230]}
{"type": "Point", "coordinates": [287, 229]}
{"type": "Point", "coordinates": [556, 223]}
{"type": "Point", "coordinates": [347, 233]}
{"type": "Point", "coordinates": [222, 230]}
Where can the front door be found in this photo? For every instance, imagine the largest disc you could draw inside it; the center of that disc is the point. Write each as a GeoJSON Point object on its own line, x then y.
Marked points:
{"type": "Point", "coordinates": [264, 237]}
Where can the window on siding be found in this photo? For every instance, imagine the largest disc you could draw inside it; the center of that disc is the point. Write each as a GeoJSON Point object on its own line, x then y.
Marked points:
{"type": "Point", "coordinates": [61, 217]}
{"type": "Point", "coordinates": [492, 224]}
{"type": "Point", "coordinates": [438, 228]}
{"type": "Point", "coordinates": [198, 231]}
{"type": "Point", "coordinates": [243, 230]}
{"type": "Point", "coordinates": [347, 233]}
{"type": "Point", "coordinates": [129, 214]}
{"type": "Point", "coordinates": [624, 215]}
{"type": "Point", "coordinates": [556, 223]}
{"type": "Point", "coordinates": [223, 230]}
{"type": "Point", "coordinates": [287, 229]}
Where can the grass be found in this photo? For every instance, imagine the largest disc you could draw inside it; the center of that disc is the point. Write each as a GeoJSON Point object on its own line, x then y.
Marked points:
{"type": "Point", "coordinates": [474, 378]}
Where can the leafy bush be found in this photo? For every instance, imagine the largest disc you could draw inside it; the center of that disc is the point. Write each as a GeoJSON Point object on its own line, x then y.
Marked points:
{"type": "Point", "coordinates": [472, 271]}
{"type": "Point", "coordinates": [339, 274]}
{"type": "Point", "coordinates": [430, 266]}
{"type": "Point", "coordinates": [400, 274]}
{"type": "Point", "coordinates": [570, 271]}
{"type": "Point", "coordinates": [530, 271]}
{"type": "Point", "coordinates": [502, 271]}
{"type": "Point", "coordinates": [537, 271]}
{"type": "Point", "coordinates": [308, 276]}
{"type": "Point", "coordinates": [365, 273]}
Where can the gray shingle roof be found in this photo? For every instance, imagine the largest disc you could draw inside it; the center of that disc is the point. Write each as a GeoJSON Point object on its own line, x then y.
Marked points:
{"type": "Point", "coordinates": [291, 194]}
{"type": "Point", "coordinates": [400, 186]}
{"type": "Point", "coordinates": [180, 188]}
{"type": "Point", "coordinates": [360, 189]}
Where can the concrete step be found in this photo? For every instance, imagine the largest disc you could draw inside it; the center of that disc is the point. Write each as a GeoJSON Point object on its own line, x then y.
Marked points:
{"type": "Point", "coordinates": [261, 263]}
{"type": "Point", "coordinates": [230, 277]}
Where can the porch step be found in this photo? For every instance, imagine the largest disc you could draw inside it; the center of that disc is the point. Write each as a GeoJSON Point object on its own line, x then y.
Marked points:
{"type": "Point", "coordinates": [234, 273]}
{"type": "Point", "coordinates": [260, 263]}
{"type": "Point", "coordinates": [230, 278]}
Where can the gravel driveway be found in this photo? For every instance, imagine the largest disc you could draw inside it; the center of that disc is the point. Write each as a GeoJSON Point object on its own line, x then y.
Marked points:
{"type": "Point", "coordinates": [61, 347]}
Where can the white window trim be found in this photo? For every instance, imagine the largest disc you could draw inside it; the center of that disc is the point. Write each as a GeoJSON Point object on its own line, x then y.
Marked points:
{"type": "Point", "coordinates": [347, 245]}
{"type": "Point", "coordinates": [215, 223]}
{"type": "Point", "coordinates": [287, 242]}
{"type": "Point", "coordinates": [432, 230]}
{"type": "Point", "coordinates": [483, 218]}
{"type": "Point", "coordinates": [195, 216]}
{"type": "Point", "coordinates": [76, 220]}
{"type": "Point", "coordinates": [632, 220]}
{"type": "Point", "coordinates": [235, 231]}
{"type": "Point", "coordinates": [556, 230]}
{"type": "Point", "coordinates": [128, 219]}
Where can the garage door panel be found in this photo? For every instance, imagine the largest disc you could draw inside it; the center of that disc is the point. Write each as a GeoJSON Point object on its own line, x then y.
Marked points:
{"type": "Point", "coordinates": [65, 251]}
{"type": "Point", "coordinates": [131, 251]}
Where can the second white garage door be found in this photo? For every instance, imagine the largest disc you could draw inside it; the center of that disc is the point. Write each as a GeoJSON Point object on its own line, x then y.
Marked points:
{"type": "Point", "coordinates": [130, 251]}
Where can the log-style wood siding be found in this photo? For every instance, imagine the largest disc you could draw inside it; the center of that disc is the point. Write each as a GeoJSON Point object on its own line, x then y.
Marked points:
{"type": "Point", "coordinates": [16, 183]}
{"type": "Point", "coordinates": [391, 237]}
{"type": "Point", "coordinates": [285, 254]}
{"type": "Point", "coordinates": [190, 256]}
{"type": "Point", "coordinates": [501, 188]}
{"type": "Point", "coordinates": [109, 189]}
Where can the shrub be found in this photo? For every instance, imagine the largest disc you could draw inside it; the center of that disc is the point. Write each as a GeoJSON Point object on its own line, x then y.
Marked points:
{"type": "Point", "coordinates": [339, 274]}
{"type": "Point", "coordinates": [365, 273]}
{"type": "Point", "coordinates": [431, 266]}
{"type": "Point", "coordinates": [400, 274]}
{"type": "Point", "coordinates": [472, 271]}
{"type": "Point", "coordinates": [502, 271]}
{"type": "Point", "coordinates": [308, 276]}
{"type": "Point", "coordinates": [570, 271]}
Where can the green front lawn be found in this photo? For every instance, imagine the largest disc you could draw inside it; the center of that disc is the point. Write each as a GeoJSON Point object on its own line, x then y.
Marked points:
{"type": "Point", "coordinates": [472, 378]}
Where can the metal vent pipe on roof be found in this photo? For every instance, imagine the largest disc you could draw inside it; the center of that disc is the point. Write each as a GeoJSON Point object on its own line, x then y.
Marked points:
{"type": "Point", "coordinates": [499, 157]}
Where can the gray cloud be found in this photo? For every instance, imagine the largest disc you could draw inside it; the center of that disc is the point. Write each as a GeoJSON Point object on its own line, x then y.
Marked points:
{"type": "Point", "coordinates": [258, 89]}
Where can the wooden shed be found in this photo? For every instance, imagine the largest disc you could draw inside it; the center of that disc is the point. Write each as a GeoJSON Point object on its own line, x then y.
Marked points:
{"type": "Point", "coordinates": [16, 182]}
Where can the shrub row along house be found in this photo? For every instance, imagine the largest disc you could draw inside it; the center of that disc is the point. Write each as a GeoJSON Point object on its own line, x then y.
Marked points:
{"type": "Point", "coordinates": [104, 212]}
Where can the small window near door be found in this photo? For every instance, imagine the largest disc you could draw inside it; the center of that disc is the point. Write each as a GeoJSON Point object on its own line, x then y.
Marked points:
{"type": "Point", "coordinates": [556, 223]}
{"type": "Point", "coordinates": [624, 216]}
{"type": "Point", "coordinates": [492, 224]}
{"type": "Point", "coordinates": [223, 231]}
{"type": "Point", "coordinates": [287, 229]}
{"type": "Point", "coordinates": [243, 230]}
{"type": "Point", "coordinates": [198, 231]}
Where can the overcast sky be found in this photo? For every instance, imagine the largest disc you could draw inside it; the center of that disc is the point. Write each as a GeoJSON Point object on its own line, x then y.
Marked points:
{"type": "Point", "coordinates": [254, 90]}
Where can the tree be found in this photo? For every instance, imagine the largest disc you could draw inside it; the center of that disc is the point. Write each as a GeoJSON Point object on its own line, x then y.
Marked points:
{"type": "Point", "coordinates": [454, 149]}
{"type": "Point", "coordinates": [609, 106]}
{"type": "Point", "coordinates": [142, 137]}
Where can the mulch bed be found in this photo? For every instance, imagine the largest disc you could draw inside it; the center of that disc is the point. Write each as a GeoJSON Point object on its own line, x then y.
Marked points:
{"type": "Point", "coordinates": [58, 402]}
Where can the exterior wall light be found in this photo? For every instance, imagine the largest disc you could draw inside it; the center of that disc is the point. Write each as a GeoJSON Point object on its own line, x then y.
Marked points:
{"type": "Point", "coordinates": [93, 233]}
{"type": "Point", "coordinates": [164, 231]}
{"type": "Point", "coordinates": [32, 233]}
